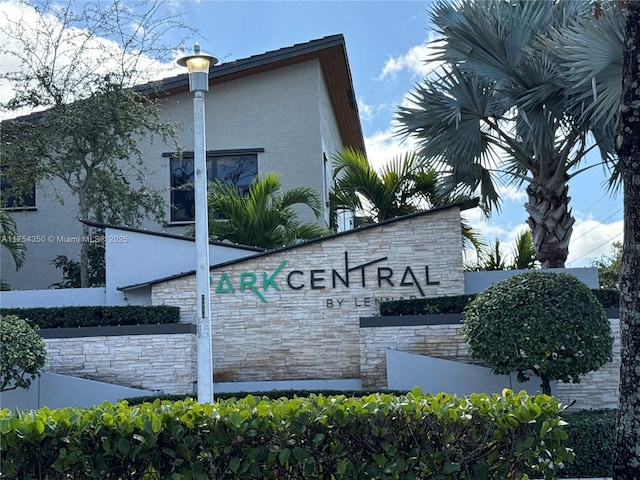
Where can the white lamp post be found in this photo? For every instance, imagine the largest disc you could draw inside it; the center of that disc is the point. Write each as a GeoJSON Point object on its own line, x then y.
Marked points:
{"type": "Point", "coordinates": [198, 66]}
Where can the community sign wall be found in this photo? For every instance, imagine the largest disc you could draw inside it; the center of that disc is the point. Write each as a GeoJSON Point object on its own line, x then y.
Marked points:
{"type": "Point", "coordinates": [294, 313]}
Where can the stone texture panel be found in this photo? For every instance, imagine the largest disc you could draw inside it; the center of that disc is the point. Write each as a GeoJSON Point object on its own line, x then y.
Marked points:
{"type": "Point", "coordinates": [597, 389]}
{"type": "Point", "coordinates": [308, 327]}
{"type": "Point", "coordinates": [153, 362]}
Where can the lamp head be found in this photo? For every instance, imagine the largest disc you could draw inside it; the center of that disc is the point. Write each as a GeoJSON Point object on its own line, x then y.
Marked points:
{"type": "Point", "coordinates": [198, 66]}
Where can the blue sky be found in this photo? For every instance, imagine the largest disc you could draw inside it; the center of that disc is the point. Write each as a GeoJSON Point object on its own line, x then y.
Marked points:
{"type": "Point", "coordinates": [386, 45]}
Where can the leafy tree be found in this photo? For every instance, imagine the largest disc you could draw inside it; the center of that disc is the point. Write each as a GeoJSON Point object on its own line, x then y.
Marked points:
{"type": "Point", "coordinates": [85, 132]}
{"type": "Point", "coordinates": [541, 323]}
{"type": "Point", "coordinates": [402, 186]}
{"type": "Point", "coordinates": [603, 52]}
{"type": "Point", "coordinates": [264, 216]}
{"type": "Point", "coordinates": [22, 353]}
{"type": "Point", "coordinates": [498, 111]}
{"type": "Point", "coordinates": [71, 268]}
{"type": "Point", "coordinates": [609, 268]}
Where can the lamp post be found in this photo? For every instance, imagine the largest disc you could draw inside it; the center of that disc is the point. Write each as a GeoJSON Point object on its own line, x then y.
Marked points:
{"type": "Point", "coordinates": [198, 66]}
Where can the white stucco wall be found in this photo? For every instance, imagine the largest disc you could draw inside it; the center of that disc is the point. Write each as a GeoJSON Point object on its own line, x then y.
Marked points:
{"type": "Point", "coordinates": [285, 111]}
{"type": "Point", "coordinates": [51, 230]}
{"type": "Point", "coordinates": [137, 257]}
{"type": "Point", "coordinates": [277, 110]}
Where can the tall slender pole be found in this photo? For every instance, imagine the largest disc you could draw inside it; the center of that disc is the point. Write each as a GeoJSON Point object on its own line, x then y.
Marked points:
{"type": "Point", "coordinates": [198, 65]}
{"type": "Point", "coordinates": [203, 292]}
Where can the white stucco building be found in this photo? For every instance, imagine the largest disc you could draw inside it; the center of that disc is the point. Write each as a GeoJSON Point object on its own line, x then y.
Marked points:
{"type": "Point", "coordinates": [286, 111]}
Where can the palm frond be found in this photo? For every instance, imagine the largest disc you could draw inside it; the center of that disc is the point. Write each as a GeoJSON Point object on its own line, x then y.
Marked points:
{"type": "Point", "coordinates": [590, 51]}
{"type": "Point", "coordinates": [264, 216]}
{"type": "Point", "coordinates": [8, 236]}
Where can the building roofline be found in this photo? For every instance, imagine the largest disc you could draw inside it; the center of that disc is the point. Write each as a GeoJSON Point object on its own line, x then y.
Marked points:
{"type": "Point", "coordinates": [462, 205]}
{"type": "Point", "coordinates": [169, 235]}
{"type": "Point", "coordinates": [330, 51]}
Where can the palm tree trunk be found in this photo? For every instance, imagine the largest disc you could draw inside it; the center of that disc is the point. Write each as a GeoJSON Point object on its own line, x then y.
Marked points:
{"type": "Point", "coordinates": [627, 444]}
{"type": "Point", "coordinates": [550, 221]}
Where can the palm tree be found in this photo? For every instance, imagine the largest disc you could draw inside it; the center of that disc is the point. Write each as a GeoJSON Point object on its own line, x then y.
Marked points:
{"type": "Point", "coordinates": [499, 111]}
{"type": "Point", "coordinates": [264, 216]}
{"type": "Point", "coordinates": [10, 240]}
{"type": "Point", "coordinates": [524, 253]}
{"type": "Point", "coordinates": [402, 186]}
{"type": "Point", "coordinates": [523, 256]}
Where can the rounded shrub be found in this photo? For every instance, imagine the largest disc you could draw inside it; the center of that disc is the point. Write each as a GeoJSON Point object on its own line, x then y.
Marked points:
{"type": "Point", "coordinates": [22, 353]}
{"type": "Point", "coordinates": [539, 323]}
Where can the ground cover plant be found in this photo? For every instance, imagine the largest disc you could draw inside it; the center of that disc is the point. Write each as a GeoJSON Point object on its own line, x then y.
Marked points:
{"type": "Point", "coordinates": [379, 436]}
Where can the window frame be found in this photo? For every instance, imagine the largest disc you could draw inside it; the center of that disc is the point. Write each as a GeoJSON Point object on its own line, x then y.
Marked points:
{"type": "Point", "coordinates": [212, 171]}
{"type": "Point", "coordinates": [11, 206]}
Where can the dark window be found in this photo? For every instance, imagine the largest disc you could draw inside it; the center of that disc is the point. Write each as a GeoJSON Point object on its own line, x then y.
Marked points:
{"type": "Point", "coordinates": [8, 198]}
{"type": "Point", "coordinates": [239, 169]}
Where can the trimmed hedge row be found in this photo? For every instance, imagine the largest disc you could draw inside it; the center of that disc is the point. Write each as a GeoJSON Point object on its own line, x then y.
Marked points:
{"type": "Point", "coordinates": [65, 317]}
{"type": "Point", "coordinates": [378, 436]}
{"type": "Point", "coordinates": [266, 394]}
{"type": "Point", "coordinates": [426, 306]}
{"type": "Point", "coordinates": [591, 437]}
{"type": "Point", "coordinates": [591, 432]}
{"type": "Point", "coordinates": [456, 304]}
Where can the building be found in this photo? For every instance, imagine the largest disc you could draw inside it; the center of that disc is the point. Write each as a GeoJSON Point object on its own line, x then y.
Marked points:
{"type": "Point", "coordinates": [285, 111]}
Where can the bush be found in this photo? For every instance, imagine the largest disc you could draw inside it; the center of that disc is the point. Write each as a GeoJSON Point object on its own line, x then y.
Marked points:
{"type": "Point", "coordinates": [608, 298]}
{"type": "Point", "coordinates": [425, 306]}
{"type": "Point", "coordinates": [67, 317]}
{"type": "Point", "coordinates": [378, 436]}
{"type": "Point", "coordinates": [539, 323]}
{"type": "Point", "coordinates": [591, 437]}
{"type": "Point", "coordinates": [22, 353]}
{"type": "Point", "coordinates": [270, 394]}
{"type": "Point", "coordinates": [456, 303]}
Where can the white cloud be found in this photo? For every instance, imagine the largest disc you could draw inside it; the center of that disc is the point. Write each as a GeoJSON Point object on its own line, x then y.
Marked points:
{"type": "Point", "coordinates": [384, 145]}
{"type": "Point", "coordinates": [72, 46]}
{"type": "Point", "coordinates": [369, 112]}
{"type": "Point", "coordinates": [416, 61]}
{"type": "Point", "coordinates": [511, 193]}
{"type": "Point", "coordinates": [592, 239]}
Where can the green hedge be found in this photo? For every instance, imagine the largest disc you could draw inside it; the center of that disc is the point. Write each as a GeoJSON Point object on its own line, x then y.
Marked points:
{"type": "Point", "coordinates": [456, 304]}
{"type": "Point", "coordinates": [425, 306]}
{"type": "Point", "coordinates": [381, 436]}
{"type": "Point", "coordinates": [61, 317]}
{"type": "Point", "coordinates": [608, 298]}
{"type": "Point", "coordinates": [591, 437]}
{"type": "Point", "coordinates": [266, 394]}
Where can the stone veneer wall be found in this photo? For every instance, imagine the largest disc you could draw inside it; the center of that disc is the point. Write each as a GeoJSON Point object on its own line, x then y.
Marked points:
{"type": "Point", "coordinates": [440, 341]}
{"type": "Point", "coordinates": [596, 390]}
{"type": "Point", "coordinates": [159, 362]}
{"type": "Point", "coordinates": [313, 332]}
